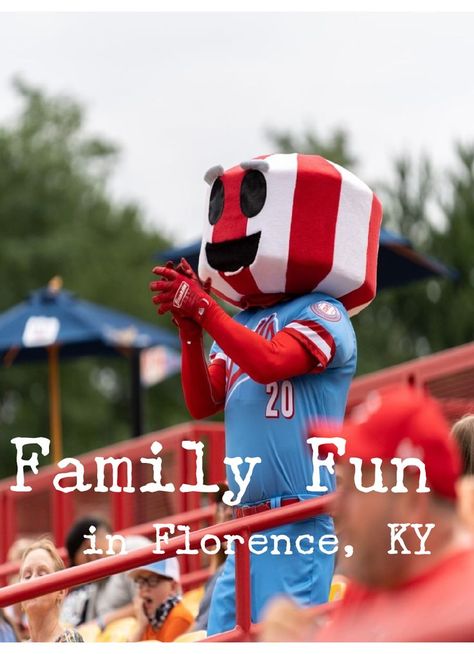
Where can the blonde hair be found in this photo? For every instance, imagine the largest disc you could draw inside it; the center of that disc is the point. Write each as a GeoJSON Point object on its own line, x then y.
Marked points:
{"type": "Point", "coordinates": [463, 432]}
{"type": "Point", "coordinates": [49, 547]}
{"type": "Point", "coordinates": [15, 553]}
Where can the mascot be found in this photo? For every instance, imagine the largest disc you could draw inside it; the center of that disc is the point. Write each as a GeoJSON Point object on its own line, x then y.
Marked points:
{"type": "Point", "coordinates": [292, 240]}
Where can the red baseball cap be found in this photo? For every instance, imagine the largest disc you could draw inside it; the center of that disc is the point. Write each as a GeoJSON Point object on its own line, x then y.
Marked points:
{"type": "Point", "coordinates": [401, 422]}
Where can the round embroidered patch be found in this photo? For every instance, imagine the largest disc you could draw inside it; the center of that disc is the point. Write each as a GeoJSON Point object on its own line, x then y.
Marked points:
{"type": "Point", "coordinates": [326, 310]}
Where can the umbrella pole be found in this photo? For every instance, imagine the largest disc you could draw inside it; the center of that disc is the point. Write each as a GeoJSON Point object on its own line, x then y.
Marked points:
{"type": "Point", "coordinates": [54, 402]}
{"type": "Point", "coordinates": [136, 394]}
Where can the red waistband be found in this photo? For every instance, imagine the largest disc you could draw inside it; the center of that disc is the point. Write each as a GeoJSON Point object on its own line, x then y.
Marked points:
{"type": "Point", "coordinates": [242, 512]}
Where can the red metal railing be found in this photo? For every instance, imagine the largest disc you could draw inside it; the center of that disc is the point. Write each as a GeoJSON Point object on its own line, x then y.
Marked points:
{"type": "Point", "coordinates": [456, 628]}
{"type": "Point", "coordinates": [447, 375]}
{"type": "Point", "coordinates": [119, 563]}
{"type": "Point", "coordinates": [124, 507]}
{"type": "Point", "coordinates": [194, 519]}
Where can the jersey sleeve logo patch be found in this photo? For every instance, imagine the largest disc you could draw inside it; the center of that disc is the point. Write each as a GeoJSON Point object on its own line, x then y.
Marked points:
{"type": "Point", "coordinates": [326, 310]}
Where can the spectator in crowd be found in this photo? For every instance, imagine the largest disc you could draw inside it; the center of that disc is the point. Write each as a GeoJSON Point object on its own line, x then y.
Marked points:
{"type": "Point", "coordinates": [223, 513]}
{"type": "Point", "coordinates": [108, 599]}
{"type": "Point", "coordinates": [395, 596]}
{"type": "Point", "coordinates": [463, 432]}
{"type": "Point", "coordinates": [159, 610]}
{"type": "Point", "coordinates": [14, 613]}
{"type": "Point", "coordinates": [7, 630]}
{"type": "Point", "coordinates": [43, 612]}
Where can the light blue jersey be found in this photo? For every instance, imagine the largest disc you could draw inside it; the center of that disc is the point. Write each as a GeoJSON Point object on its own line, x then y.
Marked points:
{"type": "Point", "coordinates": [270, 421]}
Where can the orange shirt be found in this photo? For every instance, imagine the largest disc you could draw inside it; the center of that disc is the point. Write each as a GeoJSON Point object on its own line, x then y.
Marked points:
{"type": "Point", "coordinates": [178, 621]}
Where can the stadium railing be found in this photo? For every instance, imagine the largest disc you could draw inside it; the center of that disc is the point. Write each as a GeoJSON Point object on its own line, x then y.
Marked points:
{"type": "Point", "coordinates": [194, 519]}
{"type": "Point", "coordinates": [46, 510]}
{"type": "Point", "coordinates": [457, 628]}
{"type": "Point", "coordinates": [244, 527]}
{"type": "Point", "coordinates": [448, 375]}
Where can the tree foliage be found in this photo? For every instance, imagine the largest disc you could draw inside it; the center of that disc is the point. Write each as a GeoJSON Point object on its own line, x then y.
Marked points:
{"type": "Point", "coordinates": [435, 210]}
{"type": "Point", "coordinates": [57, 218]}
{"type": "Point", "coordinates": [334, 147]}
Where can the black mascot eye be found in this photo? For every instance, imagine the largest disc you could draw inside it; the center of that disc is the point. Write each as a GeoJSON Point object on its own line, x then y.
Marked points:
{"type": "Point", "coordinates": [253, 193]}
{"type": "Point", "coordinates": [216, 202]}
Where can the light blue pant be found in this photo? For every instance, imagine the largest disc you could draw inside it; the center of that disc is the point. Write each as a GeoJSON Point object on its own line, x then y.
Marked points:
{"type": "Point", "coordinates": [304, 577]}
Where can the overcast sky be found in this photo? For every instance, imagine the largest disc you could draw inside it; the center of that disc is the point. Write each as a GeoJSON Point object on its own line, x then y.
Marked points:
{"type": "Point", "coordinates": [181, 92]}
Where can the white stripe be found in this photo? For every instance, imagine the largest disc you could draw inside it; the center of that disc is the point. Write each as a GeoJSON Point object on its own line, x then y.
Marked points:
{"type": "Point", "coordinates": [351, 239]}
{"type": "Point", "coordinates": [274, 221]}
{"type": "Point", "coordinates": [313, 337]}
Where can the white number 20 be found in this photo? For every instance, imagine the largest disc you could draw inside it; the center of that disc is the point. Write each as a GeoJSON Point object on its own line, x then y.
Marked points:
{"type": "Point", "coordinates": [281, 394]}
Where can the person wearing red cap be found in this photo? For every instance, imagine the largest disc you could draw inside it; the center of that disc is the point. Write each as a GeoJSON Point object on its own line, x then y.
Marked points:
{"type": "Point", "coordinates": [412, 569]}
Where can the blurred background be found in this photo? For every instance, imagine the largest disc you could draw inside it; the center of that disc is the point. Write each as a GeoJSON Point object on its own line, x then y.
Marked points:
{"type": "Point", "coordinates": [109, 121]}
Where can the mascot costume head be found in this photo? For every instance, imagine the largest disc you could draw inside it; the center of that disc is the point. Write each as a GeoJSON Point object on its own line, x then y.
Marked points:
{"type": "Point", "coordinates": [290, 224]}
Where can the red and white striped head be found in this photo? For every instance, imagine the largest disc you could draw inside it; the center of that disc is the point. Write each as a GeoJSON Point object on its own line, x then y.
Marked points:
{"type": "Point", "coordinates": [290, 224]}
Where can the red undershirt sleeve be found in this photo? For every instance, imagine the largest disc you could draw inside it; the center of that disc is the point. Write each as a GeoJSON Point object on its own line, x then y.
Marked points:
{"type": "Point", "coordinates": [203, 385]}
{"type": "Point", "coordinates": [265, 361]}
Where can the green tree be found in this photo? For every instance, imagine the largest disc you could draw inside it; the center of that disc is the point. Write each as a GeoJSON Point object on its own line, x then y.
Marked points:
{"type": "Point", "coordinates": [57, 218]}
{"type": "Point", "coordinates": [408, 198]}
{"type": "Point", "coordinates": [334, 147]}
{"type": "Point", "coordinates": [449, 306]}
{"type": "Point", "coordinates": [390, 330]}
{"type": "Point", "coordinates": [430, 315]}
{"type": "Point", "coordinates": [436, 211]}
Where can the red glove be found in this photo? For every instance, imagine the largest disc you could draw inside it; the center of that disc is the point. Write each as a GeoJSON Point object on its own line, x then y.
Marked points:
{"type": "Point", "coordinates": [185, 268]}
{"type": "Point", "coordinates": [203, 385]}
{"type": "Point", "coordinates": [265, 361]}
{"type": "Point", "coordinates": [180, 293]}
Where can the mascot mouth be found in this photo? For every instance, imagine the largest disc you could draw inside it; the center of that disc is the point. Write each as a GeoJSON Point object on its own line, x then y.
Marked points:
{"type": "Point", "coordinates": [230, 257]}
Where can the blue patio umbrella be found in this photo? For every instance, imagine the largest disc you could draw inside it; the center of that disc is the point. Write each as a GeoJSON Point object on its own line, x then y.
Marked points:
{"type": "Point", "coordinates": [54, 323]}
{"type": "Point", "coordinates": [398, 262]}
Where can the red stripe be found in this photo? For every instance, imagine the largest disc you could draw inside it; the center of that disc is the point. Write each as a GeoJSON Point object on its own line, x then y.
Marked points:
{"type": "Point", "coordinates": [243, 282]}
{"type": "Point", "coordinates": [266, 327]}
{"type": "Point", "coordinates": [322, 332]}
{"type": "Point", "coordinates": [270, 329]}
{"type": "Point", "coordinates": [232, 378]}
{"type": "Point", "coordinates": [262, 325]}
{"type": "Point", "coordinates": [366, 292]}
{"type": "Point", "coordinates": [313, 223]}
{"type": "Point", "coordinates": [232, 224]}
{"type": "Point", "coordinates": [312, 348]}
